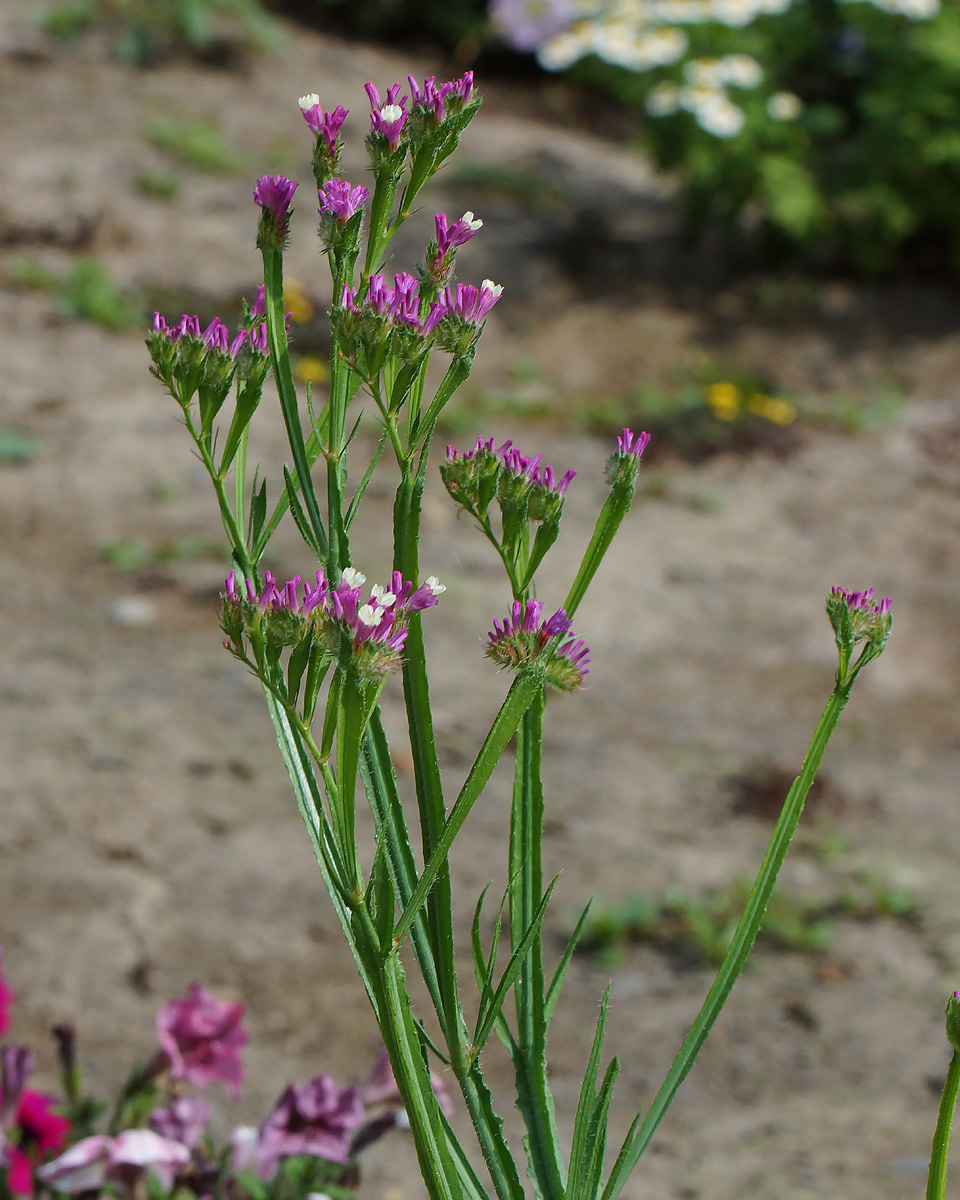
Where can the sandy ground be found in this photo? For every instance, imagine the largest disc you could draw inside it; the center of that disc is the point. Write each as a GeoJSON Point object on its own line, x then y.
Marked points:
{"type": "Point", "coordinates": [147, 834]}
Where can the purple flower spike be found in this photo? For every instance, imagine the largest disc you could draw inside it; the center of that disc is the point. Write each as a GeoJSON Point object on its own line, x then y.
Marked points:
{"type": "Point", "coordinates": [274, 193]}
{"type": "Point", "coordinates": [341, 199]}
{"type": "Point", "coordinates": [316, 1119]}
{"type": "Point", "coordinates": [216, 336]}
{"type": "Point", "coordinates": [203, 1037]}
{"type": "Point", "coordinates": [631, 443]}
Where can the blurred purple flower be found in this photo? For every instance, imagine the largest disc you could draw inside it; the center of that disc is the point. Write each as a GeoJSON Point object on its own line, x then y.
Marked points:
{"type": "Point", "coordinates": [183, 1120]}
{"type": "Point", "coordinates": [203, 1038]}
{"type": "Point", "coordinates": [124, 1159]}
{"type": "Point", "coordinates": [315, 1119]}
{"type": "Point", "coordinates": [38, 1128]}
{"type": "Point", "coordinates": [7, 998]}
{"type": "Point", "coordinates": [527, 24]}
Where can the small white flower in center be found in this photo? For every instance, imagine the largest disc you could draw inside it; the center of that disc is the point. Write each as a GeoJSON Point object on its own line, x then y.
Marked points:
{"type": "Point", "coordinates": [308, 102]}
{"type": "Point", "coordinates": [382, 596]}
{"type": "Point", "coordinates": [369, 615]}
{"type": "Point", "coordinates": [390, 113]}
{"type": "Point", "coordinates": [353, 578]}
{"type": "Point", "coordinates": [434, 584]}
{"type": "Point", "coordinates": [489, 286]}
{"type": "Point", "coordinates": [471, 221]}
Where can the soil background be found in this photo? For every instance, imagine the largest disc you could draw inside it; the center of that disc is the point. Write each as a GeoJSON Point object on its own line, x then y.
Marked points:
{"type": "Point", "coordinates": [147, 835]}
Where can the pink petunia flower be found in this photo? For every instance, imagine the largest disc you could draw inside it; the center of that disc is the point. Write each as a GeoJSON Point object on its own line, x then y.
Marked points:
{"type": "Point", "coordinates": [203, 1037]}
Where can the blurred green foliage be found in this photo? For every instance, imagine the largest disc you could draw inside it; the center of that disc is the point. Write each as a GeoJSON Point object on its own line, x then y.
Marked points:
{"type": "Point", "coordinates": [698, 929]}
{"type": "Point", "coordinates": [199, 144]}
{"type": "Point", "coordinates": [87, 292]}
{"type": "Point", "coordinates": [143, 31]}
{"type": "Point", "coordinates": [867, 175]}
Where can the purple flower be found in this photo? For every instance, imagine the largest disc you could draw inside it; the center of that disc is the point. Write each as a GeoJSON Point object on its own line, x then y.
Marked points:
{"type": "Point", "coordinates": [468, 303]}
{"type": "Point", "coordinates": [341, 199]}
{"type": "Point", "coordinates": [315, 1119]}
{"type": "Point", "coordinates": [203, 1037]}
{"type": "Point", "coordinates": [274, 193]}
{"type": "Point", "coordinates": [375, 621]}
{"type": "Point", "coordinates": [183, 1120]}
{"type": "Point", "coordinates": [16, 1063]}
{"type": "Point", "coordinates": [124, 1159]}
{"type": "Point", "coordinates": [527, 24]}
{"type": "Point", "coordinates": [460, 232]}
{"type": "Point", "coordinates": [530, 470]}
{"type": "Point", "coordinates": [324, 124]}
{"type": "Point", "coordinates": [387, 119]}
{"type": "Point", "coordinates": [862, 602]}
{"type": "Point", "coordinates": [522, 637]}
{"type": "Point", "coordinates": [632, 443]}
{"type": "Point", "coordinates": [7, 998]}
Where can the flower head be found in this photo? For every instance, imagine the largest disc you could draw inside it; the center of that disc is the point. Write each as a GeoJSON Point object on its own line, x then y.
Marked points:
{"type": "Point", "coordinates": [457, 234]}
{"type": "Point", "coordinates": [623, 462]}
{"type": "Point", "coordinates": [315, 1119]}
{"type": "Point", "coordinates": [856, 617]}
{"type": "Point", "coordinates": [273, 194]}
{"type": "Point", "coordinates": [526, 25]}
{"type": "Point", "coordinates": [375, 619]}
{"type": "Point", "coordinates": [523, 636]}
{"type": "Point", "coordinates": [203, 1038]}
{"type": "Point", "coordinates": [326, 125]}
{"type": "Point", "coordinates": [387, 119]}
{"type": "Point", "coordinates": [341, 200]}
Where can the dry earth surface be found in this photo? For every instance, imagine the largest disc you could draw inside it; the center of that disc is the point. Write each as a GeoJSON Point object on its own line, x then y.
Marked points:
{"type": "Point", "coordinates": [147, 836]}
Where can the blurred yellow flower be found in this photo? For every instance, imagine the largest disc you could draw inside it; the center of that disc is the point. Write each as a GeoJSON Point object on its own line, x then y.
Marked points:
{"type": "Point", "coordinates": [780, 412]}
{"type": "Point", "coordinates": [314, 369]}
{"type": "Point", "coordinates": [724, 399]}
{"type": "Point", "coordinates": [297, 304]}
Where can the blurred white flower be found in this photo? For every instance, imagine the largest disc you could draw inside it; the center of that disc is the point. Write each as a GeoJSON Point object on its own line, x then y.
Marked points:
{"type": "Point", "coordinates": [734, 12]}
{"type": "Point", "coordinates": [693, 99]}
{"type": "Point", "coordinates": [740, 70]}
{"type": "Point", "coordinates": [704, 72]}
{"type": "Point", "coordinates": [660, 48]}
{"type": "Point", "coordinates": [919, 10]}
{"type": "Point", "coordinates": [784, 106]}
{"type": "Point", "coordinates": [663, 100]}
{"type": "Point", "coordinates": [615, 42]}
{"type": "Point", "coordinates": [565, 49]}
{"type": "Point", "coordinates": [720, 117]}
{"type": "Point", "coordinates": [680, 12]}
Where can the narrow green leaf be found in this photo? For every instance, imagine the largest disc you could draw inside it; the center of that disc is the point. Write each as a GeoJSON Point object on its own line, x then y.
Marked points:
{"type": "Point", "coordinates": [583, 1121]}
{"type": "Point", "coordinates": [739, 948]}
{"type": "Point", "coordinates": [299, 519]}
{"type": "Point", "coordinates": [522, 691]}
{"type": "Point", "coordinates": [362, 487]}
{"type": "Point", "coordinates": [556, 983]}
{"type": "Point", "coordinates": [593, 1168]}
{"type": "Point", "coordinates": [512, 970]}
{"type": "Point", "coordinates": [258, 508]}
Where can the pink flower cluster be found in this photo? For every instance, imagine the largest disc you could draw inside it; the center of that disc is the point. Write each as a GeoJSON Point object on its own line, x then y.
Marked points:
{"type": "Point", "coordinates": [341, 200]}
{"type": "Point", "coordinates": [374, 622]}
{"type": "Point", "coordinates": [863, 603]}
{"type": "Point", "coordinates": [523, 636]}
{"type": "Point", "coordinates": [434, 96]}
{"type": "Point", "coordinates": [530, 470]}
{"type": "Point", "coordinates": [216, 336]}
{"type": "Point", "coordinates": [632, 443]}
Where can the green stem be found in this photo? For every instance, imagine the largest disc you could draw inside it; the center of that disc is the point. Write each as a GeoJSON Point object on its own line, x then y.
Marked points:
{"type": "Point", "coordinates": [526, 893]}
{"type": "Point", "coordinates": [940, 1153]}
{"type": "Point", "coordinates": [739, 949]}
